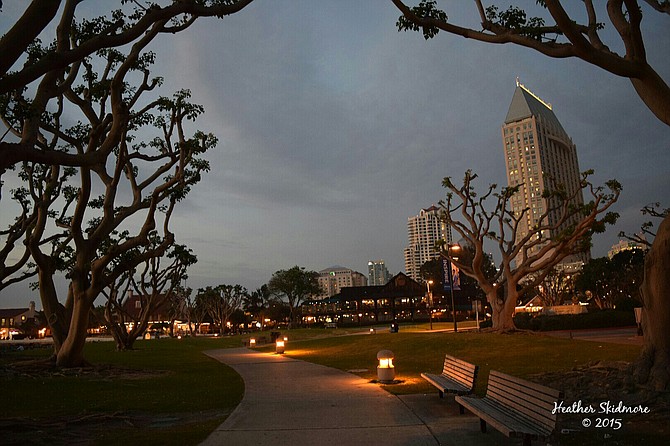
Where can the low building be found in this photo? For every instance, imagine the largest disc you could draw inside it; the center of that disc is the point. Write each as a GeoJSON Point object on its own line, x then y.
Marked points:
{"type": "Point", "coordinates": [12, 321]}
{"type": "Point", "coordinates": [626, 245]}
{"type": "Point", "coordinates": [333, 279]}
{"type": "Point", "coordinates": [400, 299]}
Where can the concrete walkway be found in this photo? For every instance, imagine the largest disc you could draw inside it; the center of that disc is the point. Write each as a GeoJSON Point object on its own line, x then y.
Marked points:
{"type": "Point", "coordinates": [292, 402]}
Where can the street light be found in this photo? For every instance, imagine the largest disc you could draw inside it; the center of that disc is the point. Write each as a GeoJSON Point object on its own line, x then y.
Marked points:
{"type": "Point", "coordinates": [451, 248]}
{"type": "Point", "coordinates": [430, 303]}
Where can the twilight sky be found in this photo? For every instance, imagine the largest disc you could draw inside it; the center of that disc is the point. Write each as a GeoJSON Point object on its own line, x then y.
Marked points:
{"type": "Point", "coordinates": [334, 129]}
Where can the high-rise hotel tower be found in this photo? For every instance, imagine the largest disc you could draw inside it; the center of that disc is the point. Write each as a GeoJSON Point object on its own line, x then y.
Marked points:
{"type": "Point", "coordinates": [539, 155]}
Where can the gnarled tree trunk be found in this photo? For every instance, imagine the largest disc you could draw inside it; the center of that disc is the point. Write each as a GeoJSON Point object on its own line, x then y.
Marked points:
{"type": "Point", "coordinates": [71, 353]}
{"type": "Point", "coordinates": [502, 309]}
{"type": "Point", "coordinates": [653, 366]}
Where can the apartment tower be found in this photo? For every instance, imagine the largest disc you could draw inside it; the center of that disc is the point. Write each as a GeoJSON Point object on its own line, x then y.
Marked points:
{"type": "Point", "coordinates": [539, 155]}
{"type": "Point", "coordinates": [423, 232]}
{"type": "Point", "coordinates": [377, 273]}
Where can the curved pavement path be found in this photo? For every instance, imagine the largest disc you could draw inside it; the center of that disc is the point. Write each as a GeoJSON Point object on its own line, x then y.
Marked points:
{"type": "Point", "coordinates": [293, 402]}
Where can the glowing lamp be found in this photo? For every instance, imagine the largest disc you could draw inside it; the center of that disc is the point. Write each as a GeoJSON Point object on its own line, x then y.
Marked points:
{"type": "Point", "coordinates": [252, 342]}
{"type": "Point", "coordinates": [385, 369]}
{"type": "Point", "coordinates": [279, 346]}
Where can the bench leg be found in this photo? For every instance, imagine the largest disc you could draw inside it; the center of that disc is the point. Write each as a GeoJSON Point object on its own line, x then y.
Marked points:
{"type": "Point", "coordinates": [482, 425]}
{"type": "Point", "coordinates": [461, 409]}
{"type": "Point", "coordinates": [441, 393]}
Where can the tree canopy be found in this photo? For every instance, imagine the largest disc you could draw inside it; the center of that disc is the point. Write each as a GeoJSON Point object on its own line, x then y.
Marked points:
{"type": "Point", "coordinates": [296, 285]}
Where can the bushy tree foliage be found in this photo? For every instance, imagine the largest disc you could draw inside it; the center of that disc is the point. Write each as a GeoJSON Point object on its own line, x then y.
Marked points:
{"type": "Point", "coordinates": [608, 282]}
{"type": "Point", "coordinates": [296, 285]}
{"type": "Point", "coordinates": [154, 283]}
{"type": "Point", "coordinates": [257, 303]}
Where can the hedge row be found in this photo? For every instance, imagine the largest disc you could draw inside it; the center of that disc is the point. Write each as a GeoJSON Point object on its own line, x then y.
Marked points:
{"type": "Point", "coordinates": [593, 319]}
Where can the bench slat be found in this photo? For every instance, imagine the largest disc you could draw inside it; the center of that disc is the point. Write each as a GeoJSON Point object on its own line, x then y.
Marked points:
{"type": "Point", "coordinates": [514, 406]}
{"type": "Point", "coordinates": [531, 399]}
{"type": "Point", "coordinates": [457, 376]}
{"type": "Point", "coordinates": [502, 418]}
{"type": "Point", "coordinates": [457, 364]}
{"type": "Point", "coordinates": [461, 374]}
{"type": "Point", "coordinates": [445, 384]}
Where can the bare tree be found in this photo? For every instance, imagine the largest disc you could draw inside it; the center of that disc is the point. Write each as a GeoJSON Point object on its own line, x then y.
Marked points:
{"type": "Point", "coordinates": [154, 286]}
{"type": "Point", "coordinates": [222, 301]}
{"type": "Point", "coordinates": [556, 287]}
{"type": "Point", "coordinates": [647, 228]}
{"type": "Point", "coordinates": [76, 40]}
{"type": "Point", "coordinates": [156, 174]}
{"type": "Point", "coordinates": [527, 258]}
{"type": "Point", "coordinates": [195, 311]}
{"type": "Point", "coordinates": [567, 37]}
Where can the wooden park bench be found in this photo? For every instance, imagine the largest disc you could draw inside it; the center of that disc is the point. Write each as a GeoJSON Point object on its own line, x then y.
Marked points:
{"type": "Point", "coordinates": [515, 407]}
{"type": "Point", "coordinates": [457, 377]}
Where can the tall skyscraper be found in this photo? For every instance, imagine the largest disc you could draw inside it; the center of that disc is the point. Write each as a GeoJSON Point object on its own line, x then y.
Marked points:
{"type": "Point", "coordinates": [377, 273]}
{"type": "Point", "coordinates": [423, 232]}
{"type": "Point", "coordinates": [539, 155]}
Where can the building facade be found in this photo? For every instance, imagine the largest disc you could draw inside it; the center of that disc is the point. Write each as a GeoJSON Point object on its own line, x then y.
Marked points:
{"type": "Point", "coordinates": [377, 273]}
{"type": "Point", "coordinates": [423, 233]}
{"type": "Point", "coordinates": [332, 279]}
{"type": "Point", "coordinates": [626, 245]}
{"type": "Point", "coordinates": [13, 320]}
{"type": "Point", "coordinates": [539, 156]}
{"type": "Point", "coordinates": [401, 299]}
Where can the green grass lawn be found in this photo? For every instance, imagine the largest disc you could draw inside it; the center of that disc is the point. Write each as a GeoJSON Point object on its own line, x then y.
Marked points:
{"type": "Point", "coordinates": [175, 379]}
{"type": "Point", "coordinates": [418, 351]}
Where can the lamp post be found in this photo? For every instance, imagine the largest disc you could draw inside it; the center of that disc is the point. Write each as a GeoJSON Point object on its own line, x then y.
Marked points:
{"type": "Point", "coordinates": [451, 282]}
{"type": "Point", "coordinates": [430, 304]}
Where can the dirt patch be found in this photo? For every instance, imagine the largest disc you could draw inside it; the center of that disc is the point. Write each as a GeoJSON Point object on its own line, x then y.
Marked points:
{"type": "Point", "coordinates": [48, 369]}
{"type": "Point", "coordinates": [597, 395]}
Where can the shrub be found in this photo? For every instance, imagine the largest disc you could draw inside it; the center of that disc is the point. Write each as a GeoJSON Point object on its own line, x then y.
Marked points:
{"type": "Point", "coordinates": [594, 319]}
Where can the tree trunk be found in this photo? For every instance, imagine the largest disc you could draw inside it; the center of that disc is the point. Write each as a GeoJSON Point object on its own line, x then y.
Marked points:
{"type": "Point", "coordinates": [653, 366]}
{"type": "Point", "coordinates": [71, 353]}
{"type": "Point", "coordinates": [502, 310]}
{"type": "Point", "coordinates": [118, 329]}
{"type": "Point", "coordinates": [56, 315]}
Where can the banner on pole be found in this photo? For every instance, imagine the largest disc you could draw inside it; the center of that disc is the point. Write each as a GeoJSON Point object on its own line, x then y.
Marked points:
{"type": "Point", "coordinates": [453, 279]}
